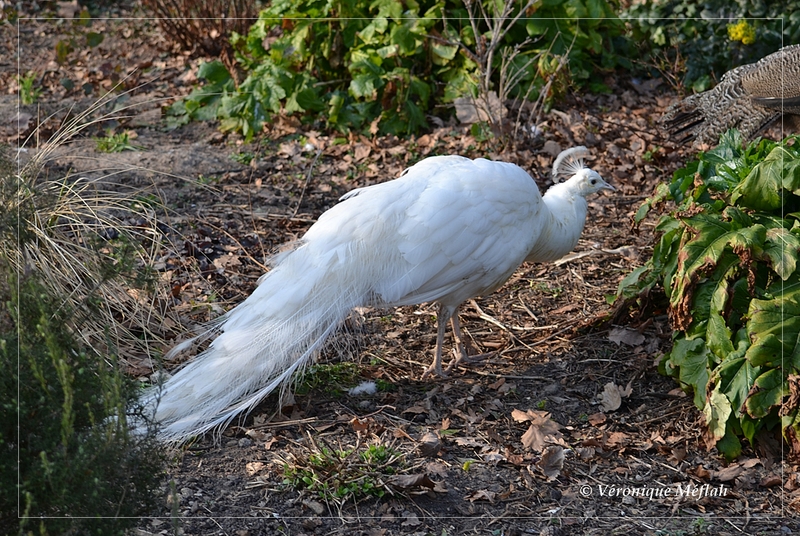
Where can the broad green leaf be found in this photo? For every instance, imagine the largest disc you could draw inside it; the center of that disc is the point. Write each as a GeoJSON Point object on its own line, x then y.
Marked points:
{"type": "Point", "coordinates": [404, 38]}
{"type": "Point", "coordinates": [214, 71]}
{"type": "Point", "coordinates": [730, 446]}
{"type": "Point", "coordinates": [630, 280]}
{"type": "Point", "coordinates": [575, 9]}
{"type": "Point", "coordinates": [363, 86]}
{"type": "Point", "coordinates": [389, 51]}
{"type": "Point", "coordinates": [713, 236]}
{"type": "Point", "coordinates": [769, 390]}
{"type": "Point", "coordinates": [736, 376]}
{"type": "Point", "coordinates": [662, 193]}
{"type": "Point", "coordinates": [717, 411]}
{"type": "Point", "coordinates": [93, 39]}
{"type": "Point", "coordinates": [541, 27]}
{"type": "Point", "coordinates": [774, 328]}
{"type": "Point", "coordinates": [782, 248]}
{"type": "Point", "coordinates": [308, 99]}
{"type": "Point", "coordinates": [690, 357]}
{"type": "Point", "coordinates": [443, 53]}
{"type": "Point", "coordinates": [765, 187]}
{"type": "Point", "coordinates": [596, 8]}
{"type": "Point", "coordinates": [718, 335]}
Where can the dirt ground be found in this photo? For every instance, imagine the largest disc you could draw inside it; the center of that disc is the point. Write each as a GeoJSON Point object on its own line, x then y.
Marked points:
{"type": "Point", "coordinates": [565, 428]}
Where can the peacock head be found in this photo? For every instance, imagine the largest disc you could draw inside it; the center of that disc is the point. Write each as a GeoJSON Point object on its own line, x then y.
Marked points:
{"type": "Point", "coordinates": [587, 182]}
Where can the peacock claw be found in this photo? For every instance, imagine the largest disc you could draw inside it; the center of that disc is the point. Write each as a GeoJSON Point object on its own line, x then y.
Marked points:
{"type": "Point", "coordinates": [433, 369]}
{"type": "Point", "coordinates": [465, 359]}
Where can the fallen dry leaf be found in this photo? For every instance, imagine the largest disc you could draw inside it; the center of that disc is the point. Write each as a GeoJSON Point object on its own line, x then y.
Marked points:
{"type": "Point", "coordinates": [429, 445]}
{"type": "Point", "coordinates": [552, 462]}
{"type": "Point", "coordinates": [615, 439]}
{"type": "Point", "coordinates": [597, 418]}
{"type": "Point", "coordinates": [540, 433]}
{"type": "Point", "coordinates": [253, 467]}
{"type": "Point", "coordinates": [493, 457]}
{"type": "Point", "coordinates": [770, 481]}
{"type": "Point", "coordinates": [481, 495]}
{"type": "Point", "coordinates": [631, 337]}
{"type": "Point", "coordinates": [362, 152]}
{"type": "Point", "coordinates": [412, 520]}
{"type": "Point", "coordinates": [728, 473]}
{"type": "Point", "coordinates": [358, 425]}
{"type": "Point", "coordinates": [405, 482]}
{"type": "Point", "coordinates": [611, 398]}
{"type": "Point", "coordinates": [470, 442]}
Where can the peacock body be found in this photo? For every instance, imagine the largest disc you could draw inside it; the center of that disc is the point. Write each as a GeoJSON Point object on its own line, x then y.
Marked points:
{"type": "Point", "coordinates": [447, 230]}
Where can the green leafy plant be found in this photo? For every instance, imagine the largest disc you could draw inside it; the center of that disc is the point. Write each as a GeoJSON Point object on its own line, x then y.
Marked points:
{"type": "Point", "coordinates": [697, 42]}
{"type": "Point", "coordinates": [381, 66]}
{"type": "Point", "coordinates": [341, 474]}
{"type": "Point", "coordinates": [28, 94]}
{"type": "Point", "coordinates": [726, 259]}
{"type": "Point", "coordinates": [243, 157]}
{"type": "Point", "coordinates": [66, 455]}
{"type": "Point", "coordinates": [115, 143]}
{"type": "Point", "coordinates": [333, 378]}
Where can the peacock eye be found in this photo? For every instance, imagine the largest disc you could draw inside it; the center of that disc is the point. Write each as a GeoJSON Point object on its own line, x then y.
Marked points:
{"type": "Point", "coordinates": [593, 181]}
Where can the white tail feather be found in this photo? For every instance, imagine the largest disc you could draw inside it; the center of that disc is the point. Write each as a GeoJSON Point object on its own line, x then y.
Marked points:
{"type": "Point", "coordinates": [263, 342]}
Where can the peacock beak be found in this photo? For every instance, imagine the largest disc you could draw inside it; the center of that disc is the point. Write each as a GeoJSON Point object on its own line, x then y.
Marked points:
{"type": "Point", "coordinates": [606, 186]}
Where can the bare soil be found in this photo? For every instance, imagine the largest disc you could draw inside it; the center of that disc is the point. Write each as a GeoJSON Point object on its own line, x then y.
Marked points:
{"type": "Point", "coordinates": [566, 373]}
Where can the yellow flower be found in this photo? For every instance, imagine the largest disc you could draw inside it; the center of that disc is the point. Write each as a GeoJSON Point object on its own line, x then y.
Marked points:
{"type": "Point", "coordinates": [742, 31]}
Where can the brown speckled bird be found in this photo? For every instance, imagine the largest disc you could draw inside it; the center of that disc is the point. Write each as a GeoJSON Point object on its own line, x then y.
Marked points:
{"type": "Point", "coordinates": [748, 98]}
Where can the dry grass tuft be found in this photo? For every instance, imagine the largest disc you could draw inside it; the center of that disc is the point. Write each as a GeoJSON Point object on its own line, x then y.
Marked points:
{"type": "Point", "coordinates": [93, 241]}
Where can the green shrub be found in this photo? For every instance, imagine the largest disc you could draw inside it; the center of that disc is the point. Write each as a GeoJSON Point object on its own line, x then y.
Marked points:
{"type": "Point", "coordinates": [385, 64]}
{"type": "Point", "coordinates": [78, 467]}
{"type": "Point", "coordinates": [695, 38]}
{"type": "Point", "coordinates": [727, 260]}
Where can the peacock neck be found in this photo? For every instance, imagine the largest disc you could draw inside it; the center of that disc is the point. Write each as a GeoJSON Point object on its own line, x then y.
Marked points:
{"type": "Point", "coordinates": [562, 224]}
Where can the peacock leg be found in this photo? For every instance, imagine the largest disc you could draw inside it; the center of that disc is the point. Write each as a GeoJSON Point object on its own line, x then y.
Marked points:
{"type": "Point", "coordinates": [445, 314]}
{"type": "Point", "coordinates": [460, 351]}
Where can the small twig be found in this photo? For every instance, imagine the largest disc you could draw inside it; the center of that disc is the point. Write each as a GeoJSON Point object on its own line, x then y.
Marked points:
{"type": "Point", "coordinates": [511, 377]}
{"type": "Point", "coordinates": [497, 323]}
{"type": "Point", "coordinates": [308, 178]}
{"type": "Point", "coordinates": [282, 424]}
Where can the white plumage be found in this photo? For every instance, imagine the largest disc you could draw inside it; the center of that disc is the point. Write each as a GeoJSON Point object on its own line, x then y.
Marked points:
{"type": "Point", "coordinates": [447, 230]}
